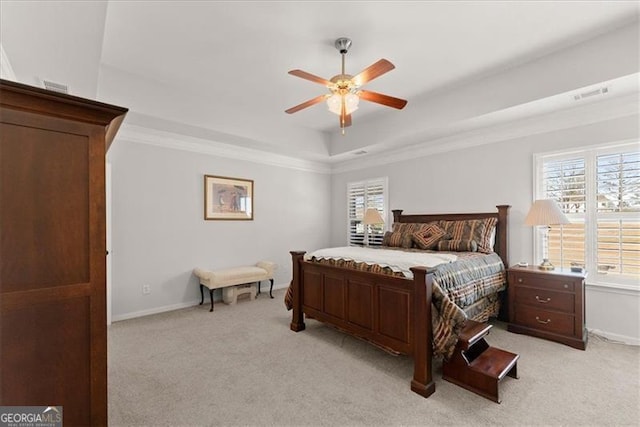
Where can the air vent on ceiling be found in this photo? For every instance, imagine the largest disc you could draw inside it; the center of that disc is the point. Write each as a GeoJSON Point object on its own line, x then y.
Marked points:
{"type": "Point", "coordinates": [589, 94]}
{"type": "Point", "coordinates": [56, 87]}
{"type": "Point", "coordinates": [360, 153]}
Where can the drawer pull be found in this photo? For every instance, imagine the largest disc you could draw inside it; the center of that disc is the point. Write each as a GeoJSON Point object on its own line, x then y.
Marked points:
{"type": "Point", "coordinates": [543, 321]}
{"type": "Point", "coordinates": [542, 301]}
{"type": "Point", "coordinates": [520, 280]}
{"type": "Point", "coordinates": [566, 286]}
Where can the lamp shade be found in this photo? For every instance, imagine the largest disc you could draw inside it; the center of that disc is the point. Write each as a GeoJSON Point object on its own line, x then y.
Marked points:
{"type": "Point", "coordinates": [334, 103]}
{"type": "Point", "coordinates": [372, 216]}
{"type": "Point", "coordinates": [545, 212]}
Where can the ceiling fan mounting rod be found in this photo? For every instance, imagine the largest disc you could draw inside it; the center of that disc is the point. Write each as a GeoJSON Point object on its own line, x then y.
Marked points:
{"type": "Point", "coordinates": [343, 44]}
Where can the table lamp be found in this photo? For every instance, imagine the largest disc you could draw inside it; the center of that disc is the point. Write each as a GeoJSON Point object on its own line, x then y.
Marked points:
{"type": "Point", "coordinates": [546, 212]}
{"type": "Point", "coordinates": [371, 216]}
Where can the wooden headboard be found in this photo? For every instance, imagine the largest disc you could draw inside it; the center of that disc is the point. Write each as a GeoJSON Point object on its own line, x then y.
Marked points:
{"type": "Point", "coordinates": [502, 215]}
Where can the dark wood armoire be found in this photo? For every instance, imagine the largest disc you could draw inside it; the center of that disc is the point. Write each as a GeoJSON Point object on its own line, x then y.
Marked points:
{"type": "Point", "coordinates": [53, 332]}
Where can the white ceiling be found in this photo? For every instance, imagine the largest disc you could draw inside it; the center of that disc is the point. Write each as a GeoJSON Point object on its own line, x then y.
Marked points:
{"type": "Point", "coordinates": [219, 69]}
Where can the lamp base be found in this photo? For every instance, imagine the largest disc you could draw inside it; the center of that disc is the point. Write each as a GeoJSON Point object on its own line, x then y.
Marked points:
{"type": "Point", "coordinates": [546, 265]}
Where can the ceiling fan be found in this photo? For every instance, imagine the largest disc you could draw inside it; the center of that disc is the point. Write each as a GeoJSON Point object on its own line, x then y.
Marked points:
{"type": "Point", "coordinates": [344, 89]}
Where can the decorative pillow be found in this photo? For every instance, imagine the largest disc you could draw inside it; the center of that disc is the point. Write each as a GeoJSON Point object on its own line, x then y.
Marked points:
{"type": "Point", "coordinates": [458, 245]}
{"type": "Point", "coordinates": [428, 237]}
{"type": "Point", "coordinates": [408, 227]}
{"type": "Point", "coordinates": [479, 230]}
{"type": "Point", "coordinates": [397, 240]}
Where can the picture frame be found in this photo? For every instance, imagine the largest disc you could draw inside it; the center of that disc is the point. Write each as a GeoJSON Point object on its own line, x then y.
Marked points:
{"type": "Point", "coordinates": [227, 198]}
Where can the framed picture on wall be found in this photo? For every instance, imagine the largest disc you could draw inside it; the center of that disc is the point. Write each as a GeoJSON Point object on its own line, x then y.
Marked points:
{"type": "Point", "coordinates": [227, 198]}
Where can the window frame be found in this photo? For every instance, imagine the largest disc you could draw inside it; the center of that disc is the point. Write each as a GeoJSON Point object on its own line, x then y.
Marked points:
{"type": "Point", "coordinates": [379, 181]}
{"type": "Point", "coordinates": [590, 155]}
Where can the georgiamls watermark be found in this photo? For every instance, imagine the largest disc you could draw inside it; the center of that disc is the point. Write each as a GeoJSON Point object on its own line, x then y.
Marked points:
{"type": "Point", "coordinates": [30, 416]}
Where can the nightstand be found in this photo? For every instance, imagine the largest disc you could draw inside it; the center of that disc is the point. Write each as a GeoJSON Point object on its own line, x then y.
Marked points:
{"type": "Point", "coordinates": [547, 304]}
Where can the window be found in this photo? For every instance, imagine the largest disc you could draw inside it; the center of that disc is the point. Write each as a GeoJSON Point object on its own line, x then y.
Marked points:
{"type": "Point", "coordinates": [599, 191]}
{"type": "Point", "coordinates": [360, 197]}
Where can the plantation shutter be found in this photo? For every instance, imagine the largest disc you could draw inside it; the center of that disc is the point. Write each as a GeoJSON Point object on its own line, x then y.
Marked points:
{"type": "Point", "coordinates": [362, 196]}
{"type": "Point", "coordinates": [599, 191]}
{"type": "Point", "coordinates": [565, 181]}
{"type": "Point", "coordinates": [618, 205]}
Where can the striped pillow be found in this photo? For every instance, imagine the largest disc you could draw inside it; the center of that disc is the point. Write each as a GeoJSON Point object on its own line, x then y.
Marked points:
{"type": "Point", "coordinates": [408, 227]}
{"type": "Point", "coordinates": [479, 230]}
{"type": "Point", "coordinates": [458, 245]}
{"type": "Point", "coordinates": [428, 237]}
{"type": "Point", "coordinates": [397, 240]}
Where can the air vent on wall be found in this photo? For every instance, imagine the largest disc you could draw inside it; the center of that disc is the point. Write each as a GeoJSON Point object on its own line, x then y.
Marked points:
{"type": "Point", "coordinates": [583, 95]}
{"type": "Point", "coordinates": [56, 87]}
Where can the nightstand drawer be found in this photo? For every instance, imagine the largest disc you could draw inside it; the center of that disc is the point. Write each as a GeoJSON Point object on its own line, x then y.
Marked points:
{"type": "Point", "coordinates": [548, 283]}
{"type": "Point", "coordinates": [542, 320]}
{"type": "Point", "coordinates": [546, 300]}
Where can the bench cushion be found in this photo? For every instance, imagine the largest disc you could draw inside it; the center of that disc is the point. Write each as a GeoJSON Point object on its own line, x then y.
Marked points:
{"type": "Point", "coordinates": [235, 276]}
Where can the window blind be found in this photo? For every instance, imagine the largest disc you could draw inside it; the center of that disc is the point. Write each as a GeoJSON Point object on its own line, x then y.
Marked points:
{"type": "Point", "coordinates": [360, 197]}
{"type": "Point", "coordinates": [565, 181]}
{"type": "Point", "coordinates": [599, 190]}
{"type": "Point", "coordinates": [617, 208]}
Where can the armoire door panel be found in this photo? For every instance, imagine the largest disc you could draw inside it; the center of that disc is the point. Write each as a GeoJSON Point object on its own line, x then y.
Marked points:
{"type": "Point", "coordinates": [42, 336]}
{"type": "Point", "coordinates": [45, 215]}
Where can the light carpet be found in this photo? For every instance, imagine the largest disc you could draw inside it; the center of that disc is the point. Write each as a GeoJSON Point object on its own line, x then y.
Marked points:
{"type": "Point", "coordinates": [241, 365]}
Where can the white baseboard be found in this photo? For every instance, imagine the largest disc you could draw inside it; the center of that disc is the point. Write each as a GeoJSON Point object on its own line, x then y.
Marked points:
{"type": "Point", "coordinates": [141, 313]}
{"type": "Point", "coordinates": [156, 310]}
{"type": "Point", "coordinates": [622, 339]}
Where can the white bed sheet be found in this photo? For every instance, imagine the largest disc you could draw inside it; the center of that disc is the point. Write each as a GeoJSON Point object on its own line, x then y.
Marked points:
{"type": "Point", "coordinates": [397, 260]}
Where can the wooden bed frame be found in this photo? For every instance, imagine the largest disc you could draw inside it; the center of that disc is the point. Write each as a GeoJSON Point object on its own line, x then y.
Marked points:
{"type": "Point", "coordinates": [390, 312]}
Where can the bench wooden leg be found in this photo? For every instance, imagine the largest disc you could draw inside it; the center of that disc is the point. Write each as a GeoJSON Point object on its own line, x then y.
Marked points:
{"type": "Point", "coordinates": [270, 289]}
{"type": "Point", "coordinates": [211, 295]}
{"type": "Point", "coordinates": [201, 293]}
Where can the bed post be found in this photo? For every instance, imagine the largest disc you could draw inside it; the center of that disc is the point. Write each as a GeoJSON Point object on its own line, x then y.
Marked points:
{"type": "Point", "coordinates": [422, 382]}
{"type": "Point", "coordinates": [396, 214]}
{"type": "Point", "coordinates": [501, 233]}
{"type": "Point", "coordinates": [297, 318]}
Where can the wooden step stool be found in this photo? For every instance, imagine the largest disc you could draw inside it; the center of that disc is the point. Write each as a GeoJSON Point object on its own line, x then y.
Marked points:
{"type": "Point", "coordinates": [476, 366]}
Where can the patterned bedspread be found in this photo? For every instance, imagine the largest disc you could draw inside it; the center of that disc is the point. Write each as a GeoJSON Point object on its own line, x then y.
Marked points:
{"type": "Point", "coordinates": [464, 289]}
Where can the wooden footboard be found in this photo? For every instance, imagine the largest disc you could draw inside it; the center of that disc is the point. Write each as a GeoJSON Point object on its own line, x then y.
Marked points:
{"type": "Point", "coordinates": [390, 312]}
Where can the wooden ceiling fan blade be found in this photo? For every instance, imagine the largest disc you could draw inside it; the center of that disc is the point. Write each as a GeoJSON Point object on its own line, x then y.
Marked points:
{"type": "Point", "coordinates": [373, 71]}
{"type": "Point", "coordinates": [306, 104]}
{"type": "Point", "coordinates": [310, 77]}
{"type": "Point", "coordinates": [379, 98]}
{"type": "Point", "coordinates": [347, 121]}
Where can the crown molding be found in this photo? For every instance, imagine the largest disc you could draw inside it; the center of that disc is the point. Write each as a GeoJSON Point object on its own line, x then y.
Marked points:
{"type": "Point", "coordinates": [618, 107]}
{"type": "Point", "coordinates": [144, 135]}
{"type": "Point", "coordinates": [6, 71]}
{"type": "Point", "coordinates": [487, 129]}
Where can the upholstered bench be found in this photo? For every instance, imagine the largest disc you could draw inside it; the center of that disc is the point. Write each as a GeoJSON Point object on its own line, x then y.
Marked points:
{"type": "Point", "coordinates": [229, 277]}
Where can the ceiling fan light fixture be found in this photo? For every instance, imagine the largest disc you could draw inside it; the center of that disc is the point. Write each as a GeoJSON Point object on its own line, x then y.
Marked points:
{"type": "Point", "coordinates": [344, 89]}
{"type": "Point", "coordinates": [334, 103]}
